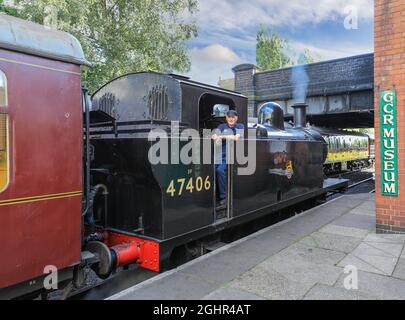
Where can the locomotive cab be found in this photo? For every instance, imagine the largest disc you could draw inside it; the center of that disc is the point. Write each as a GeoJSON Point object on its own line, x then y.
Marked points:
{"type": "Point", "coordinates": [212, 110]}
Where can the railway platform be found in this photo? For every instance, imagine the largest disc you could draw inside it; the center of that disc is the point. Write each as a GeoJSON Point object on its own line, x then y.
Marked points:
{"type": "Point", "coordinates": [328, 252]}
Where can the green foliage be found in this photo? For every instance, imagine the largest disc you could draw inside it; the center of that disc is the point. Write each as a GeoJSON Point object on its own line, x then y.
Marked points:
{"type": "Point", "coordinates": [309, 57]}
{"type": "Point", "coordinates": [274, 52]}
{"type": "Point", "coordinates": [6, 9]}
{"type": "Point", "coordinates": [270, 48]}
{"type": "Point", "coordinates": [120, 36]}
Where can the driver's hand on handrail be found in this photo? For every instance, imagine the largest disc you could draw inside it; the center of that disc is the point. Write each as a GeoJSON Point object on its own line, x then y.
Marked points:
{"type": "Point", "coordinates": [218, 138]}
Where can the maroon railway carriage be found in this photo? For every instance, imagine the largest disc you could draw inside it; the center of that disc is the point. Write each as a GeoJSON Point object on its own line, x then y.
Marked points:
{"type": "Point", "coordinates": [42, 172]}
{"type": "Point", "coordinates": [40, 153]}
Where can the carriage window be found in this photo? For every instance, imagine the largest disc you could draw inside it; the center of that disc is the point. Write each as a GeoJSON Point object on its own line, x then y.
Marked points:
{"type": "Point", "coordinates": [3, 89]}
{"type": "Point", "coordinates": [3, 132]}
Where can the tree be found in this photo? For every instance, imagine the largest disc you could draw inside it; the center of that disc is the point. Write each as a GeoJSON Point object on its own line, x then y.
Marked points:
{"type": "Point", "coordinates": [309, 57]}
{"type": "Point", "coordinates": [119, 36]}
{"type": "Point", "coordinates": [269, 50]}
{"type": "Point", "coordinates": [7, 9]}
{"type": "Point", "coordinates": [274, 52]}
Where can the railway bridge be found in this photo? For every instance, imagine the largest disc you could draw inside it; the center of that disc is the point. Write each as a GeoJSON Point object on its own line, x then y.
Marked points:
{"type": "Point", "coordinates": [340, 92]}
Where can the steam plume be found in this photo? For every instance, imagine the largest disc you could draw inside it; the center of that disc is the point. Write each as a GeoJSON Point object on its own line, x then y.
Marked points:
{"type": "Point", "coordinates": [299, 79]}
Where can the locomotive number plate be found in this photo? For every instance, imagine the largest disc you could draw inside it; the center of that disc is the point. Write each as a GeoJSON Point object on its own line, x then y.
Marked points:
{"type": "Point", "coordinates": [178, 187]}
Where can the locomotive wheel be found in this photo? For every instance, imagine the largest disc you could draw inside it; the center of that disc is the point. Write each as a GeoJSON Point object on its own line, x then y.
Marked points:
{"type": "Point", "coordinates": [179, 256]}
{"type": "Point", "coordinates": [104, 267]}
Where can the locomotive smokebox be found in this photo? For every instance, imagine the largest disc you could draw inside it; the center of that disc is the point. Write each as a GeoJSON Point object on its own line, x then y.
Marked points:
{"type": "Point", "coordinates": [300, 115]}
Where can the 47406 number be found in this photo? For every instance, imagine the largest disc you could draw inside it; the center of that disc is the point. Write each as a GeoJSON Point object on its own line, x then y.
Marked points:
{"type": "Point", "coordinates": [179, 186]}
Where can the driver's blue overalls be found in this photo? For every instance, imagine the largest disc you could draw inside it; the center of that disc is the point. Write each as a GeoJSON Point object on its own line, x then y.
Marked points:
{"type": "Point", "coordinates": [221, 167]}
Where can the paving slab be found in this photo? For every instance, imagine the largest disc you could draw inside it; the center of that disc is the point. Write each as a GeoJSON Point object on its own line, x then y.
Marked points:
{"type": "Point", "coordinates": [399, 271]}
{"type": "Point", "coordinates": [385, 238]}
{"type": "Point", "coordinates": [344, 231]}
{"type": "Point", "coordinates": [224, 267]}
{"type": "Point", "coordinates": [323, 292]}
{"type": "Point", "coordinates": [362, 196]}
{"type": "Point", "coordinates": [382, 287]}
{"type": "Point", "coordinates": [369, 204]}
{"type": "Point", "coordinates": [309, 241]}
{"type": "Point", "coordinates": [306, 265]}
{"type": "Point", "coordinates": [356, 221]}
{"type": "Point", "coordinates": [177, 286]}
{"type": "Point", "coordinates": [352, 201]}
{"type": "Point", "coordinates": [352, 260]}
{"type": "Point", "coordinates": [270, 284]}
{"type": "Point", "coordinates": [378, 249]}
{"type": "Point", "coordinates": [369, 258]}
{"type": "Point", "coordinates": [230, 293]}
{"type": "Point", "coordinates": [331, 241]}
{"type": "Point", "coordinates": [364, 210]}
{"type": "Point", "coordinates": [392, 249]}
{"type": "Point", "coordinates": [376, 257]}
{"type": "Point", "coordinates": [302, 225]}
{"type": "Point", "coordinates": [309, 254]}
{"type": "Point", "coordinates": [262, 248]}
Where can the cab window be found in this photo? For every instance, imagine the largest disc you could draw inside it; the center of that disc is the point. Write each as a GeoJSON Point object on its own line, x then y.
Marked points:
{"type": "Point", "coordinates": [3, 132]}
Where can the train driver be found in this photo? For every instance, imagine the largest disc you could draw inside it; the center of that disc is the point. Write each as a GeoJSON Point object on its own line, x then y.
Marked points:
{"type": "Point", "coordinates": [232, 131]}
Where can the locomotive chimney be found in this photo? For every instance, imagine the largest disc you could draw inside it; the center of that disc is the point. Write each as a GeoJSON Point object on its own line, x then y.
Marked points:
{"type": "Point", "coordinates": [300, 115]}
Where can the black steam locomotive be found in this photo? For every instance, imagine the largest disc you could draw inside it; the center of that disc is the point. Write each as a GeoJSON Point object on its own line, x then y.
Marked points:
{"type": "Point", "coordinates": [160, 208]}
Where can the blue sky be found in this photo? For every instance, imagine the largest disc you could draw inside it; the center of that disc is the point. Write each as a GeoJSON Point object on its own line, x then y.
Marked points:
{"type": "Point", "coordinates": [227, 31]}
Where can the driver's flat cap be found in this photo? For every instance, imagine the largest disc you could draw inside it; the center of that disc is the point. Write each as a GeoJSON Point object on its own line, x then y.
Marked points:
{"type": "Point", "coordinates": [232, 113]}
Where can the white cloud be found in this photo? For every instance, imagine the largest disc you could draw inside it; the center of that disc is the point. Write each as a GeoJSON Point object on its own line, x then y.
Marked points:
{"type": "Point", "coordinates": [236, 15]}
{"type": "Point", "coordinates": [210, 63]}
{"type": "Point", "coordinates": [339, 50]}
{"type": "Point", "coordinates": [215, 53]}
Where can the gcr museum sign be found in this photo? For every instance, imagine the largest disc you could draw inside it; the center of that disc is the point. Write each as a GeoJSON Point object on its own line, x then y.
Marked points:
{"type": "Point", "coordinates": [388, 138]}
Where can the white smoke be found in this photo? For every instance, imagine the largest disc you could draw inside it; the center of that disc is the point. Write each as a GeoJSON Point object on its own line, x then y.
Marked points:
{"type": "Point", "coordinates": [299, 79]}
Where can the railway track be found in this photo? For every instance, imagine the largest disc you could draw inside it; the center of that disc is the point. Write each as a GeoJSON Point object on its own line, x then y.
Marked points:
{"type": "Point", "coordinates": [96, 289]}
{"type": "Point", "coordinates": [118, 282]}
{"type": "Point", "coordinates": [364, 186]}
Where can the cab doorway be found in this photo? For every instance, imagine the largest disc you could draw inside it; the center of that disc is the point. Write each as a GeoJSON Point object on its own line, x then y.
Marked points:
{"type": "Point", "coordinates": [212, 112]}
